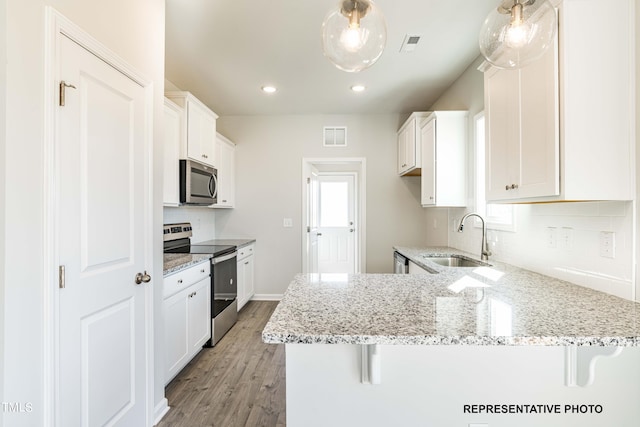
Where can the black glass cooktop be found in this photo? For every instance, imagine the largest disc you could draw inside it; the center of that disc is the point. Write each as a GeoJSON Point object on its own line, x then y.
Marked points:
{"type": "Point", "coordinates": [183, 246]}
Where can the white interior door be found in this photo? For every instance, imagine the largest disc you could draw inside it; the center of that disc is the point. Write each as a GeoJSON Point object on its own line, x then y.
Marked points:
{"type": "Point", "coordinates": [336, 223]}
{"type": "Point", "coordinates": [103, 209]}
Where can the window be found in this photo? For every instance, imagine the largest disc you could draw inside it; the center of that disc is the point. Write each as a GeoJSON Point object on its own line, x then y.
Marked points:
{"type": "Point", "coordinates": [497, 216]}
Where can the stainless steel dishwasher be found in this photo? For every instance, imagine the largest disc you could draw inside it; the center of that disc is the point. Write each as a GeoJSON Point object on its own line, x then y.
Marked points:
{"type": "Point", "coordinates": [400, 263]}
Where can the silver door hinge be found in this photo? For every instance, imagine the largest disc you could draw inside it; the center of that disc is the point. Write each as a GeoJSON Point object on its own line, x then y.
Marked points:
{"type": "Point", "coordinates": [61, 277]}
{"type": "Point", "coordinates": [63, 86]}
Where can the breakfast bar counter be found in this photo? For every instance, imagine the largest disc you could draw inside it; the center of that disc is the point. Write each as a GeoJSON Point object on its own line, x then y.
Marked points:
{"type": "Point", "coordinates": [496, 305]}
{"type": "Point", "coordinates": [427, 346]}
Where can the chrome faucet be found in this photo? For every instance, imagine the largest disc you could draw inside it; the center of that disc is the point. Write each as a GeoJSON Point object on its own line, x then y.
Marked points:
{"type": "Point", "coordinates": [485, 252]}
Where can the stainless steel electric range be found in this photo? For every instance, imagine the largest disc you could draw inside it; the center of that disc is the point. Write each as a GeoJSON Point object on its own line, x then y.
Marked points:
{"type": "Point", "coordinates": [224, 290]}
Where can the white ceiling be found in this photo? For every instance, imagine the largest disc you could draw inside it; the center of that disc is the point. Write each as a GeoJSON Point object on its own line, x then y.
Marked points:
{"type": "Point", "coordinates": [225, 50]}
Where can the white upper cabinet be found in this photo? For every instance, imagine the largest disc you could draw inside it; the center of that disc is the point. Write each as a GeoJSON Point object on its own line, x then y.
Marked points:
{"type": "Point", "coordinates": [561, 129]}
{"type": "Point", "coordinates": [409, 145]}
{"type": "Point", "coordinates": [443, 135]}
{"type": "Point", "coordinates": [200, 130]}
{"type": "Point", "coordinates": [172, 133]}
{"type": "Point", "coordinates": [226, 159]}
{"type": "Point", "coordinates": [522, 130]}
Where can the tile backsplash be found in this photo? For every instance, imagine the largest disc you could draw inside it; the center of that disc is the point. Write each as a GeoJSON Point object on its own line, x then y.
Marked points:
{"type": "Point", "coordinates": [202, 220]}
{"type": "Point", "coordinates": [563, 240]}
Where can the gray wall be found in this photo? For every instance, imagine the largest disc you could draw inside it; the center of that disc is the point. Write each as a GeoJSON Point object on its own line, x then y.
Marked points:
{"type": "Point", "coordinates": [269, 157]}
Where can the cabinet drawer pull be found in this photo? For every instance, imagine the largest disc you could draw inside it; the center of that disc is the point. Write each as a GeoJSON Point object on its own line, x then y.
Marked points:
{"type": "Point", "coordinates": [179, 281]}
{"type": "Point", "coordinates": [202, 271]}
{"type": "Point", "coordinates": [246, 263]}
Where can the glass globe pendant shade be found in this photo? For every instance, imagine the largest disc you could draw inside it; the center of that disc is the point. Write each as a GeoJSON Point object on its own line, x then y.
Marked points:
{"type": "Point", "coordinates": [518, 32]}
{"type": "Point", "coordinates": [354, 35]}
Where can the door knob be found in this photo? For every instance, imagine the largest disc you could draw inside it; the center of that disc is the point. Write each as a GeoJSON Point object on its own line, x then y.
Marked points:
{"type": "Point", "coordinates": [142, 278]}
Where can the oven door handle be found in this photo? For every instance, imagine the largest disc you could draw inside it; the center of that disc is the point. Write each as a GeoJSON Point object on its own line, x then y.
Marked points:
{"type": "Point", "coordinates": [224, 258]}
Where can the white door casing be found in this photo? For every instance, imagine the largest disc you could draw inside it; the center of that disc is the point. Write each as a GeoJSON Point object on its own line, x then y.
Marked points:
{"type": "Point", "coordinates": [312, 168]}
{"type": "Point", "coordinates": [336, 228]}
{"type": "Point", "coordinates": [101, 216]}
{"type": "Point", "coordinates": [312, 220]}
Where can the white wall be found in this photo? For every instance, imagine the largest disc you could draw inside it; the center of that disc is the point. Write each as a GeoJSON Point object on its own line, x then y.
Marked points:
{"type": "Point", "coordinates": [579, 261]}
{"type": "Point", "coordinates": [637, 230]}
{"type": "Point", "coordinates": [202, 219]}
{"type": "Point", "coordinates": [3, 178]}
{"type": "Point", "coordinates": [135, 31]}
{"type": "Point", "coordinates": [269, 156]}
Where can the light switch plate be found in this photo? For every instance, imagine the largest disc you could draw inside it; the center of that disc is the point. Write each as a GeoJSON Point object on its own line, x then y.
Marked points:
{"type": "Point", "coordinates": [287, 222]}
{"type": "Point", "coordinates": [552, 237]}
{"type": "Point", "coordinates": [565, 239]}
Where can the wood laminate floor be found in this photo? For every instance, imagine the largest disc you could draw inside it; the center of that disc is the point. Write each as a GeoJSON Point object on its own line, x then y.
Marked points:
{"type": "Point", "coordinates": [239, 382]}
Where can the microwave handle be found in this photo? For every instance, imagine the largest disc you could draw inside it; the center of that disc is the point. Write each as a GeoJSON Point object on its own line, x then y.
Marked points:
{"type": "Point", "coordinates": [213, 186]}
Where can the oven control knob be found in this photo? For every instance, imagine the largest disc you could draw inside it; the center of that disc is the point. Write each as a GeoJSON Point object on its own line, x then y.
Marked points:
{"type": "Point", "coordinates": [142, 278]}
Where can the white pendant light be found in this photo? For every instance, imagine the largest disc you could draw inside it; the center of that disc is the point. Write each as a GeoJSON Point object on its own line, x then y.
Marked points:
{"type": "Point", "coordinates": [354, 35]}
{"type": "Point", "coordinates": [518, 32]}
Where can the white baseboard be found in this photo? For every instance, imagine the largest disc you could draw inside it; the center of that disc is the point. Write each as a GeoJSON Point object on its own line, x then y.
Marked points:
{"type": "Point", "coordinates": [266, 297]}
{"type": "Point", "coordinates": [160, 410]}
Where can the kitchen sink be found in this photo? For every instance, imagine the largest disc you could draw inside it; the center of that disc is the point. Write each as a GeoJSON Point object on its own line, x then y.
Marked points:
{"type": "Point", "coordinates": [456, 261]}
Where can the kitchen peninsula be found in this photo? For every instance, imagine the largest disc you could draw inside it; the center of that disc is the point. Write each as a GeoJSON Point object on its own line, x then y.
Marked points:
{"type": "Point", "coordinates": [382, 349]}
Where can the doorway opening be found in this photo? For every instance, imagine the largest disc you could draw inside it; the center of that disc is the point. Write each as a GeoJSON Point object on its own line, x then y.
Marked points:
{"type": "Point", "coordinates": [333, 215]}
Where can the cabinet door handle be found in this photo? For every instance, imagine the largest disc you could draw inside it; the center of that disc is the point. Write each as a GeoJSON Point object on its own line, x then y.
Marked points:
{"type": "Point", "coordinates": [202, 271]}
{"type": "Point", "coordinates": [179, 281]}
{"type": "Point", "coordinates": [246, 263]}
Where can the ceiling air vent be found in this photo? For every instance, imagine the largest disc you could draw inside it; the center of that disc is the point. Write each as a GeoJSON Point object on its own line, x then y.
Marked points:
{"type": "Point", "coordinates": [410, 42]}
{"type": "Point", "coordinates": [335, 136]}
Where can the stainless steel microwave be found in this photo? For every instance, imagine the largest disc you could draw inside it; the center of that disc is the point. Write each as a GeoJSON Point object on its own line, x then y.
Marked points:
{"type": "Point", "coordinates": [198, 183]}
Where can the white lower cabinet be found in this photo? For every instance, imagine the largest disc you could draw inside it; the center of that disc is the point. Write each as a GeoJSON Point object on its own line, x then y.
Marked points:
{"type": "Point", "coordinates": [187, 318]}
{"type": "Point", "coordinates": [246, 287]}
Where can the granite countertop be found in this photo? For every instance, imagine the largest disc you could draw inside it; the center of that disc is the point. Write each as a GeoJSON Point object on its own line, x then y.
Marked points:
{"type": "Point", "coordinates": [496, 305]}
{"type": "Point", "coordinates": [178, 262]}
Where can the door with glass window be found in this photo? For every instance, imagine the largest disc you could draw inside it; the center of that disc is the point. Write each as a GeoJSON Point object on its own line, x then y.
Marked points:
{"type": "Point", "coordinates": [336, 223]}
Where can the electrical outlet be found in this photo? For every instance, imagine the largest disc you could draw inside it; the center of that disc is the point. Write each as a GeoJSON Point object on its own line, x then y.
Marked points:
{"type": "Point", "coordinates": [607, 244]}
{"type": "Point", "coordinates": [287, 222]}
{"type": "Point", "coordinates": [552, 237]}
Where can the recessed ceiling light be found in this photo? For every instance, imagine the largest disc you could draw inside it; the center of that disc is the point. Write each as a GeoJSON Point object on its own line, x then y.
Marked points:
{"type": "Point", "coordinates": [358, 88]}
{"type": "Point", "coordinates": [269, 89]}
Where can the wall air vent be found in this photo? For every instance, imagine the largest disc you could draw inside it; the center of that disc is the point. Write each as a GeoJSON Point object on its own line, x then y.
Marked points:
{"type": "Point", "coordinates": [335, 136]}
{"type": "Point", "coordinates": [410, 42]}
